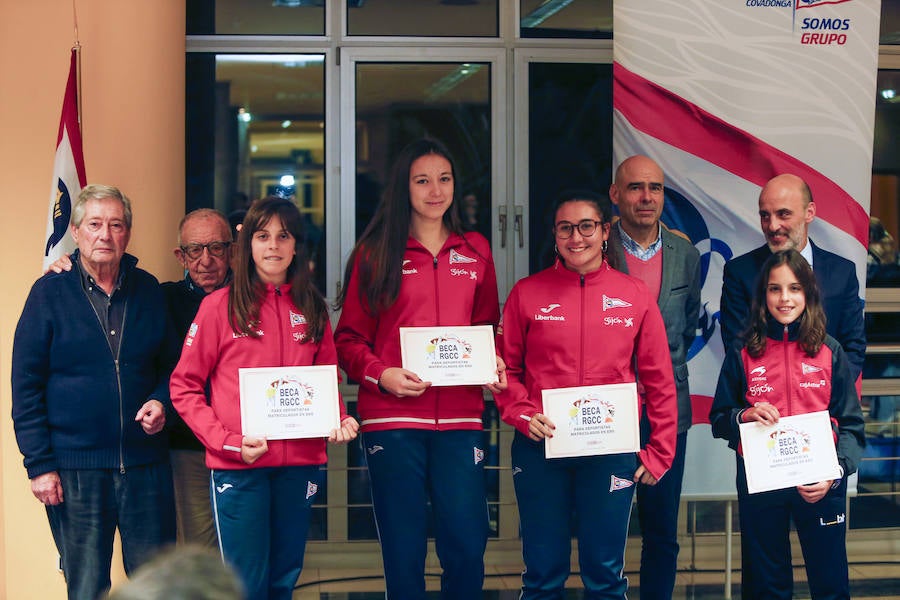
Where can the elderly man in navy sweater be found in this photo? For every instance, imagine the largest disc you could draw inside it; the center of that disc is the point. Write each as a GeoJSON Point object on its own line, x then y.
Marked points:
{"type": "Point", "coordinates": [91, 358]}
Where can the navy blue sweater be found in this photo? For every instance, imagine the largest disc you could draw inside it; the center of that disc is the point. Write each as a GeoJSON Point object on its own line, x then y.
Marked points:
{"type": "Point", "coordinates": [74, 403]}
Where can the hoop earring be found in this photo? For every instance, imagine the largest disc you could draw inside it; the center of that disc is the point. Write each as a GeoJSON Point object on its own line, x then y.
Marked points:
{"type": "Point", "coordinates": [603, 247]}
{"type": "Point", "coordinates": [555, 250]}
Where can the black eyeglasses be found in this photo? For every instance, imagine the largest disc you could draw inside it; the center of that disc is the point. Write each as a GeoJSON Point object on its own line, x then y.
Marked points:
{"type": "Point", "coordinates": [195, 251]}
{"type": "Point", "coordinates": [586, 228]}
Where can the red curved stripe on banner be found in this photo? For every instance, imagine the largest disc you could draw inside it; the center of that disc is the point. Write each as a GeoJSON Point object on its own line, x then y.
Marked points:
{"type": "Point", "coordinates": [670, 118]}
{"type": "Point", "coordinates": [822, 4]}
{"type": "Point", "coordinates": [700, 406]}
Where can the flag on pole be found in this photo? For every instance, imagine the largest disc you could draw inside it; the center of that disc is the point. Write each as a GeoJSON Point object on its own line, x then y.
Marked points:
{"type": "Point", "coordinates": [68, 172]}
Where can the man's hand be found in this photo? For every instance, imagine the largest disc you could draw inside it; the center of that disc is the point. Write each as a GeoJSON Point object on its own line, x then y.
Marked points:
{"type": "Point", "coordinates": [151, 416]}
{"type": "Point", "coordinates": [63, 263]}
{"type": "Point", "coordinates": [345, 433]}
{"type": "Point", "coordinates": [252, 448]}
{"type": "Point", "coordinates": [47, 488]}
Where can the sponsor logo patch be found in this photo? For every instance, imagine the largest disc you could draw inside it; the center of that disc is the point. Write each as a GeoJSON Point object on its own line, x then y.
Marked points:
{"type": "Point", "coordinates": [807, 369]}
{"type": "Point", "coordinates": [617, 483]}
{"type": "Point", "coordinates": [311, 489]}
{"type": "Point", "coordinates": [374, 449]}
{"type": "Point", "coordinates": [479, 455]}
{"type": "Point", "coordinates": [459, 259]}
{"type": "Point", "coordinates": [610, 303]}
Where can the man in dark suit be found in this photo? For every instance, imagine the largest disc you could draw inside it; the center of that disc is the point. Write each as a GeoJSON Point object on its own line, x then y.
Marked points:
{"type": "Point", "coordinates": [786, 208]}
{"type": "Point", "coordinates": [670, 266]}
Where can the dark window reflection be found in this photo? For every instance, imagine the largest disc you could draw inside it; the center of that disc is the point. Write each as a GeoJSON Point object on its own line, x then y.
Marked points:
{"type": "Point", "coordinates": [437, 18]}
{"type": "Point", "coordinates": [256, 17]}
{"type": "Point", "coordinates": [572, 19]}
{"type": "Point", "coordinates": [569, 141]}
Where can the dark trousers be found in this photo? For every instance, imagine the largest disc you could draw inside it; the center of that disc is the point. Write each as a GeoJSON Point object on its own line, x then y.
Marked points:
{"type": "Point", "coordinates": [658, 512]}
{"type": "Point", "coordinates": [262, 519]}
{"type": "Point", "coordinates": [406, 468]}
{"type": "Point", "coordinates": [138, 502]}
{"type": "Point", "coordinates": [589, 497]}
{"type": "Point", "coordinates": [766, 548]}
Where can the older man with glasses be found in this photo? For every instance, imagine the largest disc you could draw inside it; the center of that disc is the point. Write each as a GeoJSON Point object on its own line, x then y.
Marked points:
{"type": "Point", "coordinates": [204, 250]}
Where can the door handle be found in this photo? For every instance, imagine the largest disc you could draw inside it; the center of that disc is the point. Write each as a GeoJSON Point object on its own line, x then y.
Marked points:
{"type": "Point", "coordinates": [501, 219]}
{"type": "Point", "coordinates": [517, 226]}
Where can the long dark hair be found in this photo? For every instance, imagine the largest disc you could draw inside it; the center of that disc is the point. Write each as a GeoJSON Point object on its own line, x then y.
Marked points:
{"type": "Point", "coordinates": [381, 246]}
{"type": "Point", "coordinates": [811, 333]}
{"type": "Point", "coordinates": [600, 202]}
{"type": "Point", "coordinates": [246, 292]}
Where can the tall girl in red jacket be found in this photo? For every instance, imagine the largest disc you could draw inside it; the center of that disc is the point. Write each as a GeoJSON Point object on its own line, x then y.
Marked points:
{"type": "Point", "coordinates": [414, 266]}
{"type": "Point", "coordinates": [581, 323]}
{"type": "Point", "coordinates": [788, 366]}
{"type": "Point", "coordinates": [271, 315]}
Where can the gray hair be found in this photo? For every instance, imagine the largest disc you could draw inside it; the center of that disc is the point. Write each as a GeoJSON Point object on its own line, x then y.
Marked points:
{"type": "Point", "coordinates": [182, 573]}
{"type": "Point", "coordinates": [208, 213]}
{"type": "Point", "coordinates": [96, 191]}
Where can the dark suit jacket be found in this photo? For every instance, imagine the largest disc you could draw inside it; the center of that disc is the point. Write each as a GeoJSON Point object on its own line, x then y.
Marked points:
{"type": "Point", "coordinates": [838, 287]}
{"type": "Point", "coordinates": [679, 303]}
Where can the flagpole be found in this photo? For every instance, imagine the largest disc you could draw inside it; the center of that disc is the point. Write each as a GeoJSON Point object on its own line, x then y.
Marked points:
{"type": "Point", "coordinates": [77, 48]}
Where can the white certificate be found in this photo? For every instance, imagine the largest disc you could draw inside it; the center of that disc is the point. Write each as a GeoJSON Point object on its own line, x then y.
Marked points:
{"type": "Point", "coordinates": [592, 420]}
{"type": "Point", "coordinates": [794, 451]}
{"type": "Point", "coordinates": [281, 403]}
{"type": "Point", "coordinates": [462, 355]}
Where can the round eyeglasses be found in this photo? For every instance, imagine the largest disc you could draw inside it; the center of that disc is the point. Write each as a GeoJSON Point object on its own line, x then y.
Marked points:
{"type": "Point", "coordinates": [586, 227]}
{"type": "Point", "coordinates": [216, 249]}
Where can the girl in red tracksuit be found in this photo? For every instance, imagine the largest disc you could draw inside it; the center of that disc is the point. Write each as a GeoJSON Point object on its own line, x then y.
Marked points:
{"type": "Point", "coordinates": [581, 323]}
{"type": "Point", "coordinates": [414, 266]}
{"type": "Point", "coordinates": [788, 366]}
{"type": "Point", "coordinates": [271, 315]}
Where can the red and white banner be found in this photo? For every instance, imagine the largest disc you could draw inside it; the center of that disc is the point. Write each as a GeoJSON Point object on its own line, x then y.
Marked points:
{"type": "Point", "coordinates": [68, 172]}
{"type": "Point", "coordinates": [725, 95]}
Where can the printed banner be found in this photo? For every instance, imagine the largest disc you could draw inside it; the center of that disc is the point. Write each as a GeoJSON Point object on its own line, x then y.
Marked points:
{"type": "Point", "coordinates": [727, 95]}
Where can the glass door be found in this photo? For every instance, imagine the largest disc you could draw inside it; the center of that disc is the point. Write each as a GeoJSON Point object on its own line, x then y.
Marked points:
{"type": "Point", "coordinates": [563, 108]}
{"type": "Point", "coordinates": [390, 98]}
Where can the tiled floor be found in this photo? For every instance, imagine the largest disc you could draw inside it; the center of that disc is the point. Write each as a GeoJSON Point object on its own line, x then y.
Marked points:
{"type": "Point", "coordinates": [868, 581]}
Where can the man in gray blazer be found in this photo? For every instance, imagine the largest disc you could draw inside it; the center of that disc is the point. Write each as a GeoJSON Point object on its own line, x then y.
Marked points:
{"type": "Point", "coordinates": [670, 266]}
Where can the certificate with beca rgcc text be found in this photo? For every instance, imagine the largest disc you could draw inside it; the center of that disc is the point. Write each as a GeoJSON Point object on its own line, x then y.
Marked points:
{"type": "Point", "coordinates": [281, 403]}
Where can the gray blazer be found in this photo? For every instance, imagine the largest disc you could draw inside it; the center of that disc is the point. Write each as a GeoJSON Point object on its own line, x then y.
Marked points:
{"type": "Point", "coordinates": [679, 303]}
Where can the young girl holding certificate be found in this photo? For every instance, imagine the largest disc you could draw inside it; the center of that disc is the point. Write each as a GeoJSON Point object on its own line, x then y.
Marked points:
{"type": "Point", "coordinates": [581, 323]}
{"type": "Point", "coordinates": [270, 316]}
{"type": "Point", "coordinates": [788, 366]}
{"type": "Point", "coordinates": [414, 266]}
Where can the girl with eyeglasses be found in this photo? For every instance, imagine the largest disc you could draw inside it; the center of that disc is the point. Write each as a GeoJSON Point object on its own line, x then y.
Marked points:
{"type": "Point", "coordinates": [793, 367]}
{"type": "Point", "coordinates": [414, 265]}
{"type": "Point", "coordinates": [581, 323]}
{"type": "Point", "coordinates": [271, 315]}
